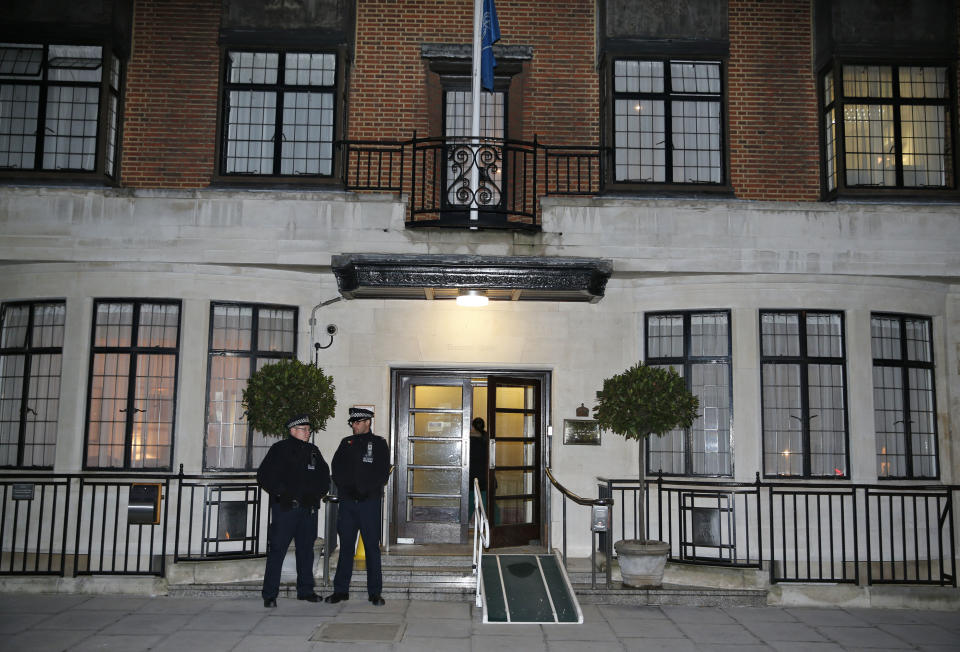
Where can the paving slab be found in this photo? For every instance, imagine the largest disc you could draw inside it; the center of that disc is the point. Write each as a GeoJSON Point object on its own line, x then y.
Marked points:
{"type": "Point", "coordinates": [429, 644]}
{"type": "Point", "coordinates": [38, 639]}
{"type": "Point", "coordinates": [594, 632]}
{"type": "Point", "coordinates": [302, 626]}
{"type": "Point", "coordinates": [827, 617]}
{"type": "Point", "coordinates": [122, 643]}
{"type": "Point", "coordinates": [923, 634]}
{"type": "Point", "coordinates": [709, 633]}
{"type": "Point", "coordinates": [48, 603]}
{"type": "Point", "coordinates": [278, 644]}
{"type": "Point", "coordinates": [659, 645]}
{"type": "Point", "coordinates": [80, 620]}
{"type": "Point", "coordinates": [199, 641]}
{"type": "Point", "coordinates": [441, 628]}
{"type": "Point", "coordinates": [789, 631]}
{"type": "Point", "coordinates": [699, 615]}
{"type": "Point", "coordinates": [760, 615]}
{"type": "Point", "coordinates": [176, 605]}
{"type": "Point", "coordinates": [224, 621]}
{"type": "Point", "coordinates": [113, 603]}
{"type": "Point", "coordinates": [11, 623]}
{"type": "Point", "coordinates": [147, 624]}
{"type": "Point", "coordinates": [501, 643]}
{"type": "Point", "coordinates": [646, 628]}
{"type": "Point", "coordinates": [863, 637]}
{"type": "Point", "coordinates": [430, 610]}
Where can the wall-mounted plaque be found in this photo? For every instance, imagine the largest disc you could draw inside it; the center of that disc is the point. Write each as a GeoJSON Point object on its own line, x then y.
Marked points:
{"type": "Point", "coordinates": [581, 431]}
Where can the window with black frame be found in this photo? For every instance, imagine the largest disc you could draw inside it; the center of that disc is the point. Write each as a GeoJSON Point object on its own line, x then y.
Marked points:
{"type": "Point", "coordinates": [56, 99]}
{"type": "Point", "coordinates": [904, 407]}
{"type": "Point", "coordinates": [132, 385]}
{"type": "Point", "coordinates": [461, 156]}
{"type": "Point", "coordinates": [243, 338]}
{"type": "Point", "coordinates": [803, 381]}
{"type": "Point", "coordinates": [667, 122]}
{"type": "Point", "coordinates": [697, 345]}
{"type": "Point", "coordinates": [31, 355]}
{"type": "Point", "coordinates": [279, 112]}
{"type": "Point", "coordinates": [888, 126]}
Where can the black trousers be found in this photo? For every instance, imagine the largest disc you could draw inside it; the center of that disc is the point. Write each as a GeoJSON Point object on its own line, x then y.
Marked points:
{"type": "Point", "coordinates": [362, 516]}
{"type": "Point", "coordinates": [298, 524]}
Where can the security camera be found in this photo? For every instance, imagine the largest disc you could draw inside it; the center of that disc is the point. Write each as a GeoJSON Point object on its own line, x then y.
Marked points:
{"type": "Point", "coordinates": [331, 329]}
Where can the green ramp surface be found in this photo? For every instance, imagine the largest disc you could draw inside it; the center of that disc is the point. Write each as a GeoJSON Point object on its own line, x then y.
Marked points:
{"type": "Point", "coordinates": [527, 589]}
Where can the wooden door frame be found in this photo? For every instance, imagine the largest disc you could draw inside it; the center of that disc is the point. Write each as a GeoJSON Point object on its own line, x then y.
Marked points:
{"type": "Point", "coordinates": [545, 376]}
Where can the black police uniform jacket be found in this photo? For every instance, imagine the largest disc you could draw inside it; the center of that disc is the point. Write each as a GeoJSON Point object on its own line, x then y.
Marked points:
{"type": "Point", "coordinates": [294, 470]}
{"type": "Point", "coordinates": [361, 466]}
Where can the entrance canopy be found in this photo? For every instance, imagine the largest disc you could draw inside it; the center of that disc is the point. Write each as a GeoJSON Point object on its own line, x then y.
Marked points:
{"type": "Point", "coordinates": [499, 278]}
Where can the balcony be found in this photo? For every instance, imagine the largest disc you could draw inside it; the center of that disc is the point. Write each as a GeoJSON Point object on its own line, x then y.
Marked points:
{"type": "Point", "coordinates": [471, 183]}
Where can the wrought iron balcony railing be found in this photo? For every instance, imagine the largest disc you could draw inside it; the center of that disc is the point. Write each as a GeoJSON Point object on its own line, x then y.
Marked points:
{"type": "Point", "coordinates": [463, 182]}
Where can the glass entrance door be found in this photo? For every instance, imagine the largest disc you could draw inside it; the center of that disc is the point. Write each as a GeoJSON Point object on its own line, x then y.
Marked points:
{"type": "Point", "coordinates": [433, 427]}
{"type": "Point", "coordinates": [513, 487]}
{"type": "Point", "coordinates": [433, 413]}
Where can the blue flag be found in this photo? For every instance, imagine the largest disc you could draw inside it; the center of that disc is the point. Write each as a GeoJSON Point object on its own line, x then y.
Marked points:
{"type": "Point", "coordinates": [489, 34]}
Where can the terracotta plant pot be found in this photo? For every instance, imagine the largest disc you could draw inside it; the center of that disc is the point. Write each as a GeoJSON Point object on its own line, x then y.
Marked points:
{"type": "Point", "coordinates": [642, 562]}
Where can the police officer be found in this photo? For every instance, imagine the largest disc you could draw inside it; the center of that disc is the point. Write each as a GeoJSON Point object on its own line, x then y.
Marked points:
{"type": "Point", "coordinates": [361, 467]}
{"type": "Point", "coordinates": [296, 476]}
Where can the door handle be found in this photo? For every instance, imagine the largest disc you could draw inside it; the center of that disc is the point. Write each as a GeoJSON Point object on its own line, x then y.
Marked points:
{"type": "Point", "coordinates": [493, 454]}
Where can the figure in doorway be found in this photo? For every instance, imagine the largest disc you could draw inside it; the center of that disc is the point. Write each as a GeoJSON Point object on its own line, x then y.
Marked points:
{"type": "Point", "coordinates": [296, 476]}
{"type": "Point", "coordinates": [479, 460]}
{"type": "Point", "coordinates": [361, 468]}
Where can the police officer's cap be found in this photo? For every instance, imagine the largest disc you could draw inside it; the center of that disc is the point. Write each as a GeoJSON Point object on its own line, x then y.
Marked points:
{"type": "Point", "coordinates": [299, 420]}
{"type": "Point", "coordinates": [359, 414]}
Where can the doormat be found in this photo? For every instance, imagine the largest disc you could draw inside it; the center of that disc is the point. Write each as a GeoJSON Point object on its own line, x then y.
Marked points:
{"type": "Point", "coordinates": [359, 632]}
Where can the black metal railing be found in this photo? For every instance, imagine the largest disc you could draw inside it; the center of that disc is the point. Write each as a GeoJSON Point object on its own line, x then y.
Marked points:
{"type": "Point", "coordinates": [88, 524]}
{"type": "Point", "coordinates": [34, 524]}
{"type": "Point", "coordinates": [599, 524]}
{"type": "Point", "coordinates": [803, 532]}
{"type": "Point", "coordinates": [464, 182]}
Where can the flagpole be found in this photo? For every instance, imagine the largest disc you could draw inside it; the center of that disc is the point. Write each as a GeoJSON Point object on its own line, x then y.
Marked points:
{"type": "Point", "coordinates": [475, 95]}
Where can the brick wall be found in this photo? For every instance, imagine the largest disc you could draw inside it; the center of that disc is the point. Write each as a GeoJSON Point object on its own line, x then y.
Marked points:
{"type": "Point", "coordinates": [389, 96]}
{"type": "Point", "coordinates": [772, 101]}
{"type": "Point", "coordinates": [171, 97]}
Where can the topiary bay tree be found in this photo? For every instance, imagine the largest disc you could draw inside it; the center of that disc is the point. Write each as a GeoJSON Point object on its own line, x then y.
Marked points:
{"type": "Point", "coordinates": [637, 403]}
{"type": "Point", "coordinates": [284, 389]}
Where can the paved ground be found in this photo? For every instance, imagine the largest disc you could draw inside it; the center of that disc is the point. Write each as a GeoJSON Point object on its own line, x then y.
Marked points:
{"type": "Point", "coordinates": [38, 623]}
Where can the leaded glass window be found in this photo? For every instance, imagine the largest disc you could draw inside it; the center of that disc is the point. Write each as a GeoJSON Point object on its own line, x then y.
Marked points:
{"type": "Point", "coordinates": [697, 345]}
{"type": "Point", "coordinates": [904, 409]}
{"type": "Point", "coordinates": [803, 394]}
{"type": "Point", "coordinates": [243, 338]}
{"type": "Point", "coordinates": [133, 382]}
{"type": "Point", "coordinates": [668, 121]}
{"type": "Point", "coordinates": [31, 355]}
{"type": "Point", "coordinates": [279, 113]}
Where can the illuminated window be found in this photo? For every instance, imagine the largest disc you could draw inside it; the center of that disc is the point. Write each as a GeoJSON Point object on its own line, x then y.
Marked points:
{"type": "Point", "coordinates": [668, 122]}
{"type": "Point", "coordinates": [887, 126]}
{"type": "Point", "coordinates": [133, 382]}
{"type": "Point", "coordinates": [31, 354]}
{"type": "Point", "coordinates": [697, 345]}
{"type": "Point", "coordinates": [51, 99]}
{"type": "Point", "coordinates": [243, 337]}
{"type": "Point", "coordinates": [904, 411]}
{"type": "Point", "coordinates": [279, 112]}
{"type": "Point", "coordinates": [803, 394]}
